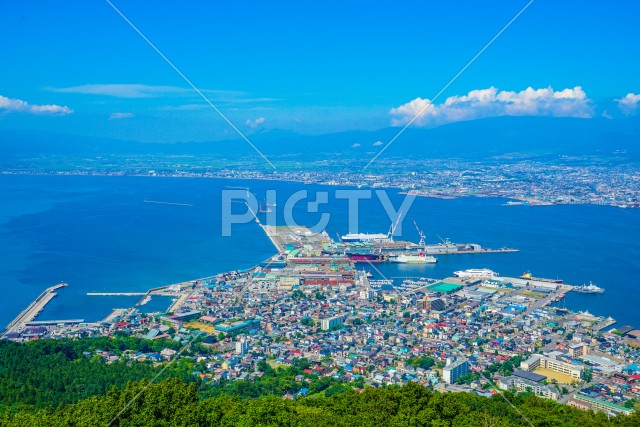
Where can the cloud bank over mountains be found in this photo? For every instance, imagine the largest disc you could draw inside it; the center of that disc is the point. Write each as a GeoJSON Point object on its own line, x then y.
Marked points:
{"type": "Point", "coordinates": [490, 102]}
{"type": "Point", "coordinates": [629, 104]}
{"type": "Point", "coordinates": [255, 123]}
{"type": "Point", "coordinates": [120, 116]}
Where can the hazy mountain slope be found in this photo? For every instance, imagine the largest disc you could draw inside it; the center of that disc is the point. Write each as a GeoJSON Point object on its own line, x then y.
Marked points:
{"type": "Point", "coordinates": [518, 136]}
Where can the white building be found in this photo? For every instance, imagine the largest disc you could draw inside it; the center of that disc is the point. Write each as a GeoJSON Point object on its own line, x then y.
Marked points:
{"type": "Point", "coordinates": [455, 370]}
{"type": "Point", "coordinates": [542, 361]}
{"type": "Point", "coordinates": [332, 322]}
{"type": "Point", "coordinates": [242, 347]}
{"type": "Point", "coordinates": [523, 384]}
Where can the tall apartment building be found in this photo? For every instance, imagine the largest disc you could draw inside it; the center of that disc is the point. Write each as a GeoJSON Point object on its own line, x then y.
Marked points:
{"type": "Point", "coordinates": [332, 322]}
{"type": "Point", "coordinates": [455, 370]}
{"type": "Point", "coordinates": [242, 347]}
{"type": "Point", "coordinates": [430, 304]}
{"type": "Point", "coordinates": [578, 349]}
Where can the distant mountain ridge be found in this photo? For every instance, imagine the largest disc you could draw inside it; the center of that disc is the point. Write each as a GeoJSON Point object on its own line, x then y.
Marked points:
{"type": "Point", "coordinates": [499, 136]}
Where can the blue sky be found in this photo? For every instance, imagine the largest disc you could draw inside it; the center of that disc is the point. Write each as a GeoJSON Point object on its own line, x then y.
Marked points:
{"type": "Point", "coordinates": [311, 67]}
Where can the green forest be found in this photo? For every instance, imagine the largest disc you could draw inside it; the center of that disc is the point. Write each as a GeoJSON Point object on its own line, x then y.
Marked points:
{"type": "Point", "coordinates": [54, 383]}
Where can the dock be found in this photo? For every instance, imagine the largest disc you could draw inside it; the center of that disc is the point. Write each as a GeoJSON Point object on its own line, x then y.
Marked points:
{"type": "Point", "coordinates": [117, 312]}
{"type": "Point", "coordinates": [271, 232]}
{"type": "Point", "coordinates": [116, 294]}
{"type": "Point", "coordinates": [28, 315]}
{"type": "Point", "coordinates": [604, 324]}
{"type": "Point", "coordinates": [55, 322]}
{"type": "Point", "coordinates": [179, 302]}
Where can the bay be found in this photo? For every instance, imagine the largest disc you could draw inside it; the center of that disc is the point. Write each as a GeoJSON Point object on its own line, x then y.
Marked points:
{"type": "Point", "coordinates": [99, 234]}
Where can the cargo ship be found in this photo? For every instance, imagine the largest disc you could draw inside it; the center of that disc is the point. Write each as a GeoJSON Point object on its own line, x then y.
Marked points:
{"type": "Point", "coordinates": [447, 247]}
{"type": "Point", "coordinates": [420, 258]}
{"type": "Point", "coordinates": [529, 276]}
{"type": "Point", "coordinates": [357, 251]}
{"type": "Point", "coordinates": [365, 257]}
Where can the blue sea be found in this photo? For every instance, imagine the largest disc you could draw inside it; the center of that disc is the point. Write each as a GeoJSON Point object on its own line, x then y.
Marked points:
{"type": "Point", "coordinates": [98, 234]}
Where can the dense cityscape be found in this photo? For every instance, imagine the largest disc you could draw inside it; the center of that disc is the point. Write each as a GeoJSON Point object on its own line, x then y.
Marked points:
{"type": "Point", "coordinates": [476, 332]}
{"type": "Point", "coordinates": [538, 182]}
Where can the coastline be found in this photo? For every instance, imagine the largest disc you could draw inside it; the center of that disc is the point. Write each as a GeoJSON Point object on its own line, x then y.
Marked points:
{"type": "Point", "coordinates": [401, 190]}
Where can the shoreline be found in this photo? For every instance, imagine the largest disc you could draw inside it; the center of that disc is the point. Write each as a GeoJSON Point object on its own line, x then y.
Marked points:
{"type": "Point", "coordinates": [520, 201]}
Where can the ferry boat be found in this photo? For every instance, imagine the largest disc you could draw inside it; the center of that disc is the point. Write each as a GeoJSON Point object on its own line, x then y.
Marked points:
{"type": "Point", "coordinates": [475, 273]}
{"type": "Point", "coordinates": [413, 259]}
{"type": "Point", "coordinates": [589, 289]}
{"type": "Point", "coordinates": [366, 237]}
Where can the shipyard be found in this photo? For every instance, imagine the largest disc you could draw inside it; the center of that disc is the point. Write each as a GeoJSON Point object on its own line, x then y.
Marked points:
{"type": "Point", "coordinates": [379, 247]}
{"type": "Point", "coordinates": [337, 311]}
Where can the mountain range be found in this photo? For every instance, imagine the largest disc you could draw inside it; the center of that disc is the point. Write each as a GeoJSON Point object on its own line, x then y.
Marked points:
{"type": "Point", "coordinates": [474, 140]}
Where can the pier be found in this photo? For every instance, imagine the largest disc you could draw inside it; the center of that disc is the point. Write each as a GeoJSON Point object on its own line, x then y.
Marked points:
{"type": "Point", "coordinates": [272, 234]}
{"type": "Point", "coordinates": [55, 322]}
{"type": "Point", "coordinates": [116, 294]}
{"type": "Point", "coordinates": [474, 251]}
{"type": "Point", "coordinates": [31, 312]}
{"type": "Point", "coordinates": [178, 302]}
{"type": "Point", "coordinates": [604, 324]}
{"type": "Point", "coordinates": [117, 312]}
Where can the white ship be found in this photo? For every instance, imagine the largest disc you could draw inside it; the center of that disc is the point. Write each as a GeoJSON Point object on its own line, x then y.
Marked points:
{"type": "Point", "coordinates": [482, 273]}
{"type": "Point", "coordinates": [589, 289]}
{"type": "Point", "coordinates": [366, 237]}
{"type": "Point", "coordinates": [413, 259]}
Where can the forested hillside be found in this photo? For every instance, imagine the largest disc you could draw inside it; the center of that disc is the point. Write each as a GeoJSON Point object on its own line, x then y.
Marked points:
{"type": "Point", "coordinates": [173, 403]}
{"type": "Point", "coordinates": [53, 383]}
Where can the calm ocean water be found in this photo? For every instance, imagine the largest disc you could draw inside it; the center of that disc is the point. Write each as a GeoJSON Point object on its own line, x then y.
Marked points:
{"type": "Point", "coordinates": [97, 234]}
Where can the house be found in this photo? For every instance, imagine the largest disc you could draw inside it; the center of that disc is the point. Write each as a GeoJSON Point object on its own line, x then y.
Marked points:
{"type": "Point", "coordinates": [168, 353]}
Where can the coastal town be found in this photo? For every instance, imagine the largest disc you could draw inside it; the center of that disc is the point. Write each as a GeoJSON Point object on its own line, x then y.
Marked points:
{"type": "Point", "coordinates": [475, 332]}
{"type": "Point", "coordinates": [535, 182]}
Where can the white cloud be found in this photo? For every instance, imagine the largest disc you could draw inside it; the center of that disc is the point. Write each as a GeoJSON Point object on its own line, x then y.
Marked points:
{"type": "Point", "coordinates": [491, 103]}
{"type": "Point", "coordinates": [12, 105]}
{"type": "Point", "coordinates": [123, 90]}
{"type": "Point", "coordinates": [355, 145]}
{"type": "Point", "coordinates": [629, 104]}
{"type": "Point", "coordinates": [184, 107]}
{"type": "Point", "coordinates": [118, 116]}
{"type": "Point", "coordinates": [127, 90]}
{"type": "Point", "coordinates": [377, 143]}
{"type": "Point", "coordinates": [255, 123]}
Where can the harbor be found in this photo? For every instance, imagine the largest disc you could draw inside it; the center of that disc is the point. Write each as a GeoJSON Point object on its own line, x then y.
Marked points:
{"type": "Point", "coordinates": [31, 312]}
{"type": "Point", "coordinates": [306, 291]}
{"type": "Point", "coordinates": [373, 247]}
{"type": "Point", "coordinates": [307, 258]}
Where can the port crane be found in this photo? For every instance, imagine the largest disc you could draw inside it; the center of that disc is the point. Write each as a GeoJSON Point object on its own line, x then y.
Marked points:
{"type": "Point", "coordinates": [394, 225]}
{"type": "Point", "coordinates": [420, 233]}
{"type": "Point", "coordinates": [268, 210]}
{"type": "Point", "coordinates": [446, 242]}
